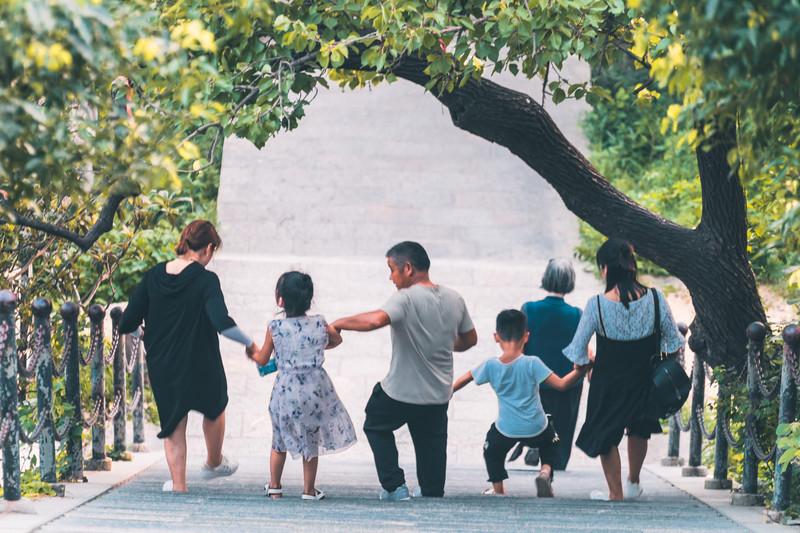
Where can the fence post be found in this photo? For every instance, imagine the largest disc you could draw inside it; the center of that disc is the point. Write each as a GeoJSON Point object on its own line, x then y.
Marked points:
{"type": "Point", "coordinates": [786, 414]}
{"type": "Point", "coordinates": [9, 424]}
{"type": "Point", "coordinates": [134, 350]}
{"type": "Point", "coordinates": [69, 313]}
{"type": "Point", "coordinates": [696, 468]}
{"type": "Point", "coordinates": [120, 389]}
{"type": "Point", "coordinates": [99, 460]}
{"type": "Point", "coordinates": [748, 494]}
{"type": "Point", "coordinates": [673, 457]}
{"type": "Point", "coordinates": [44, 389]}
{"type": "Point", "coordinates": [720, 480]}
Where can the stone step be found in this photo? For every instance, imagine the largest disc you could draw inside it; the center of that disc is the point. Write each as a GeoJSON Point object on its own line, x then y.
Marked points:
{"type": "Point", "coordinates": [370, 168]}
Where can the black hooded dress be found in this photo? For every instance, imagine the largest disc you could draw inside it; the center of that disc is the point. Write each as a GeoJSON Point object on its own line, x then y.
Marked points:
{"type": "Point", "coordinates": [182, 314]}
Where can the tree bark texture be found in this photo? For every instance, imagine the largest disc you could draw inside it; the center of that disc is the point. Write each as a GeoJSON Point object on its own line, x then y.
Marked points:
{"type": "Point", "coordinates": [710, 259]}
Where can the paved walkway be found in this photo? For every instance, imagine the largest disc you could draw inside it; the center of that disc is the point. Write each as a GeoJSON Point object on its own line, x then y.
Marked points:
{"type": "Point", "coordinates": [238, 504]}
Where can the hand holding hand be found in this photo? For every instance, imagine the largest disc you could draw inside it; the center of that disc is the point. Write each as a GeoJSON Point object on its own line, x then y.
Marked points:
{"type": "Point", "coordinates": [251, 350]}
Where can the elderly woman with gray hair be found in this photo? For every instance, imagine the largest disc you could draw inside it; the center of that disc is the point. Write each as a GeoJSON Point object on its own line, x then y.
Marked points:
{"type": "Point", "coordinates": [552, 323]}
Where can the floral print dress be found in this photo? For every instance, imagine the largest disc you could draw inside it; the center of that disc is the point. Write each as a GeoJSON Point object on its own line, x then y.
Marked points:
{"type": "Point", "coordinates": [308, 418]}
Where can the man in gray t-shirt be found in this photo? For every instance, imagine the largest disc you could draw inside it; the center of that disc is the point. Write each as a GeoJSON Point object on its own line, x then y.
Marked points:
{"type": "Point", "coordinates": [429, 322]}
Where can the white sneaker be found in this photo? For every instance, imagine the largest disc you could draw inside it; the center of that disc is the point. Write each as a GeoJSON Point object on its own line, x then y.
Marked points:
{"type": "Point", "coordinates": [225, 468]}
{"type": "Point", "coordinates": [167, 486]}
{"type": "Point", "coordinates": [318, 495]}
{"type": "Point", "coordinates": [599, 495]}
{"type": "Point", "coordinates": [631, 491]}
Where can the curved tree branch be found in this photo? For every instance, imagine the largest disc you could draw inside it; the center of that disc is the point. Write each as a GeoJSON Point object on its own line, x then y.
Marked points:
{"type": "Point", "coordinates": [104, 223]}
{"type": "Point", "coordinates": [516, 121]}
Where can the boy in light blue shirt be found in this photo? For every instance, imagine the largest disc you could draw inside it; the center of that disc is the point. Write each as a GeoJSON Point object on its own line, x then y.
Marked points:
{"type": "Point", "coordinates": [515, 379]}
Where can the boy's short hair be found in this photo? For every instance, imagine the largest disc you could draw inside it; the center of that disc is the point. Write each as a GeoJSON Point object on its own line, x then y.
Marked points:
{"type": "Point", "coordinates": [511, 325]}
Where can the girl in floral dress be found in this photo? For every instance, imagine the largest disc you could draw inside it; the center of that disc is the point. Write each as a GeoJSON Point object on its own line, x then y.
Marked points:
{"type": "Point", "coordinates": [308, 419]}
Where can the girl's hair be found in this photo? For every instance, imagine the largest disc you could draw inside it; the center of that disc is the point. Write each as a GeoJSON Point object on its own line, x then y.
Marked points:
{"type": "Point", "coordinates": [618, 258]}
{"type": "Point", "coordinates": [197, 235]}
{"type": "Point", "coordinates": [297, 291]}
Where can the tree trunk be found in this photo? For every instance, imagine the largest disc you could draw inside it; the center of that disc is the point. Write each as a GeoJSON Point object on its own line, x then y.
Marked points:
{"type": "Point", "coordinates": [711, 259]}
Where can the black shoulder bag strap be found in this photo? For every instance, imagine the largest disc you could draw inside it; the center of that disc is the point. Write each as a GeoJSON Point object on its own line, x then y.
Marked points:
{"type": "Point", "coordinates": [600, 315]}
{"type": "Point", "coordinates": [657, 325]}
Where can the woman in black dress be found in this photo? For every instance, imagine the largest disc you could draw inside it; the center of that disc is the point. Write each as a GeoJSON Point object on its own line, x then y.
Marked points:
{"type": "Point", "coordinates": [632, 324]}
{"type": "Point", "coordinates": [183, 309]}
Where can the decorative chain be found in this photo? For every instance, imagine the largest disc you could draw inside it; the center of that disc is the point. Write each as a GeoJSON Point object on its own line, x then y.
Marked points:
{"type": "Point", "coordinates": [69, 335]}
{"type": "Point", "coordinates": [95, 416]}
{"type": "Point", "coordinates": [64, 431]}
{"type": "Point", "coordinates": [726, 429]}
{"type": "Point", "coordinates": [700, 418]}
{"type": "Point", "coordinates": [794, 367]}
{"type": "Point", "coordinates": [137, 397]}
{"type": "Point", "coordinates": [752, 441]}
{"type": "Point", "coordinates": [86, 359]}
{"type": "Point", "coordinates": [3, 338]}
{"type": "Point", "coordinates": [678, 420]}
{"type": "Point", "coordinates": [37, 431]}
{"type": "Point", "coordinates": [114, 407]}
{"type": "Point", "coordinates": [762, 385]}
{"type": "Point", "coordinates": [133, 354]}
{"type": "Point", "coordinates": [28, 370]}
{"type": "Point", "coordinates": [109, 357]}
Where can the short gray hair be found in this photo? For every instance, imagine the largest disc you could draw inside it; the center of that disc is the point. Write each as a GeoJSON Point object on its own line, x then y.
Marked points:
{"type": "Point", "coordinates": [559, 276]}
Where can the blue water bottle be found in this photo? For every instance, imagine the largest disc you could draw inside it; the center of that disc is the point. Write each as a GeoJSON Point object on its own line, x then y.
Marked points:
{"type": "Point", "coordinates": [269, 368]}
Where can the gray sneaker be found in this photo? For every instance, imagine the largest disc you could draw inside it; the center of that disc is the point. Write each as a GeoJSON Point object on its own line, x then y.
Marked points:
{"type": "Point", "coordinates": [400, 494]}
{"type": "Point", "coordinates": [226, 468]}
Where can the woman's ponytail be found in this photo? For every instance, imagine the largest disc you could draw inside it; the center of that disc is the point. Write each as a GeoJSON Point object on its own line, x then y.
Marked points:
{"type": "Point", "coordinates": [618, 257]}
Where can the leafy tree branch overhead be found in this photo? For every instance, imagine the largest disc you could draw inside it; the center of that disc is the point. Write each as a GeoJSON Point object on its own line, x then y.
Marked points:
{"type": "Point", "coordinates": [201, 71]}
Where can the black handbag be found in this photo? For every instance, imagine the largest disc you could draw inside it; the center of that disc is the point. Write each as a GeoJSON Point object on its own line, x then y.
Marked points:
{"type": "Point", "coordinates": [670, 385]}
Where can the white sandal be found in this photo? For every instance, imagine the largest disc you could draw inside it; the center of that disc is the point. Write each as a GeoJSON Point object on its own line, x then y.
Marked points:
{"type": "Point", "coordinates": [491, 492]}
{"type": "Point", "coordinates": [274, 493]}
{"type": "Point", "coordinates": [318, 495]}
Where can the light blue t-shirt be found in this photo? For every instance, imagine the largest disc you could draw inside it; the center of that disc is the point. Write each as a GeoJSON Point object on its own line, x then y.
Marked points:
{"type": "Point", "coordinates": [520, 411]}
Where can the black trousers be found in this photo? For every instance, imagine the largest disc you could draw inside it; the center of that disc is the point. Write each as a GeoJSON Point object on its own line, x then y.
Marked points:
{"type": "Point", "coordinates": [563, 410]}
{"type": "Point", "coordinates": [428, 427]}
{"type": "Point", "coordinates": [497, 445]}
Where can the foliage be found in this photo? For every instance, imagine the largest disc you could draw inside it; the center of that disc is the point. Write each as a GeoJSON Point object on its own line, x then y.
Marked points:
{"type": "Point", "coordinates": [658, 170]}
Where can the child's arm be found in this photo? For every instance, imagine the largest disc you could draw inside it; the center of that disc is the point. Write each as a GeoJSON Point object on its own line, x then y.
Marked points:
{"type": "Point", "coordinates": [262, 356]}
{"type": "Point", "coordinates": [334, 337]}
{"type": "Point", "coordinates": [559, 383]}
{"type": "Point", "coordinates": [462, 381]}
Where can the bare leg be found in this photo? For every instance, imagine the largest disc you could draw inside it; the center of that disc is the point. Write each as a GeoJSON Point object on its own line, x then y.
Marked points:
{"type": "Point", "coordinates": [637, 451]}
{"type": "Point", "coordinates": [546, 470]}
{"type": "Point", "coordinates": [498, 487]}
{"type": "Point", "coordinates": [277, 460]}
{"type": "Point", "coordinates": [175, 450]}
{"type": "Point", "coordinates": [310, 475]}
{"type": "Point", "coordinates": [214, 432]}
{"type": "Point", "coordinates": [612, 470]}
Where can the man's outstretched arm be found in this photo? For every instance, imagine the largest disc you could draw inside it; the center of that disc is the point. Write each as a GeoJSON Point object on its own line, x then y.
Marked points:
{"type": "Point", "coordinates": [363, 322]}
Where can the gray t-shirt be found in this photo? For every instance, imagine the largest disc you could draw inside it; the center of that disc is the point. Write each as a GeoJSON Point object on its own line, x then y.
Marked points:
{"type": "Point", "coordinates": [425, 324]}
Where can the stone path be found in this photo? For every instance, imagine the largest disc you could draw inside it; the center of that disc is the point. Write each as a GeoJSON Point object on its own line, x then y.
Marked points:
{"type": "Point", "coordinates": [238, 504]}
